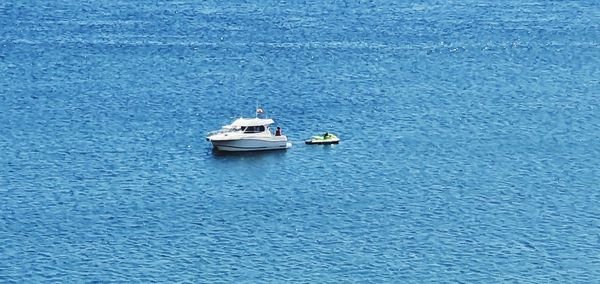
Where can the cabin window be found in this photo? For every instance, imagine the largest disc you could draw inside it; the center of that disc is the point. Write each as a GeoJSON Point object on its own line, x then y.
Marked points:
{"type": "Point", "coordinates": [253, 129]}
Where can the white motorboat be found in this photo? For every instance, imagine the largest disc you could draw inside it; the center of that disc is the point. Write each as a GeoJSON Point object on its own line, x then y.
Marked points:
{"type": "Point", "coordinates": [248, 134]}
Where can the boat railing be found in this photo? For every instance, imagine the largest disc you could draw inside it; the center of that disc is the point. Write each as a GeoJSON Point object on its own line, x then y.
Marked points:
{"type": "Point", "coordinates": [225, 129]}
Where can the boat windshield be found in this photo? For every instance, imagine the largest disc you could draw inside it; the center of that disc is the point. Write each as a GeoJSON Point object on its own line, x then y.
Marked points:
{"type": "Point", "coordinates": [242, 129]}
{"type": "Point", "coordinates": [227, 129]}
{"type": "Point", "coordinates": [253, 129]}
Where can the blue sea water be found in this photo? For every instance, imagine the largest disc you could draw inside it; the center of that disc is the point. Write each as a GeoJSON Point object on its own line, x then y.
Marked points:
{"type": "Point", "coordinates": [470, 141]}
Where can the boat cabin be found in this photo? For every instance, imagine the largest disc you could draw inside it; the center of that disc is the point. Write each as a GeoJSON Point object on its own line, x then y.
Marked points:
{"type": "Point", "coordinates": [250, 125]}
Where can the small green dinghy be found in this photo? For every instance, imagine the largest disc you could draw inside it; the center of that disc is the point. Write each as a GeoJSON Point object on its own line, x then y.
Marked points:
{"type": "Point", "coordinates": [325, 139]}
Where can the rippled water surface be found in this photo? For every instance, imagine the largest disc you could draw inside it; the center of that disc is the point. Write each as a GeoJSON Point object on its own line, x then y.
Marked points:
{"type": "Point", "coordinates": [470, 141]}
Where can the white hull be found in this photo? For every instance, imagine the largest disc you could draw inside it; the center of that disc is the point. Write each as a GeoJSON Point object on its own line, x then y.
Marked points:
{"type": "Point", "coordinates": [250, 144]}
{"type": "Point", "coordinates": [323, 142]}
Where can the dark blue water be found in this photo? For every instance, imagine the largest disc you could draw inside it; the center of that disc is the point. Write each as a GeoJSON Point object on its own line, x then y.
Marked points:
{"type": "Point", "coordinates": [470, 141]}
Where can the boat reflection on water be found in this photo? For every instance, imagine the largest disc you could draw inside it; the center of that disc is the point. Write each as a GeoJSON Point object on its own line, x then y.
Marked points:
{"type": "Point", "coordinates": [248, 154]}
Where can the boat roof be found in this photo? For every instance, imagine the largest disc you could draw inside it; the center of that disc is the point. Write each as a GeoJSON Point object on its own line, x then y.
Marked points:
{"type": "Point", "coordinates": [251, 122]}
